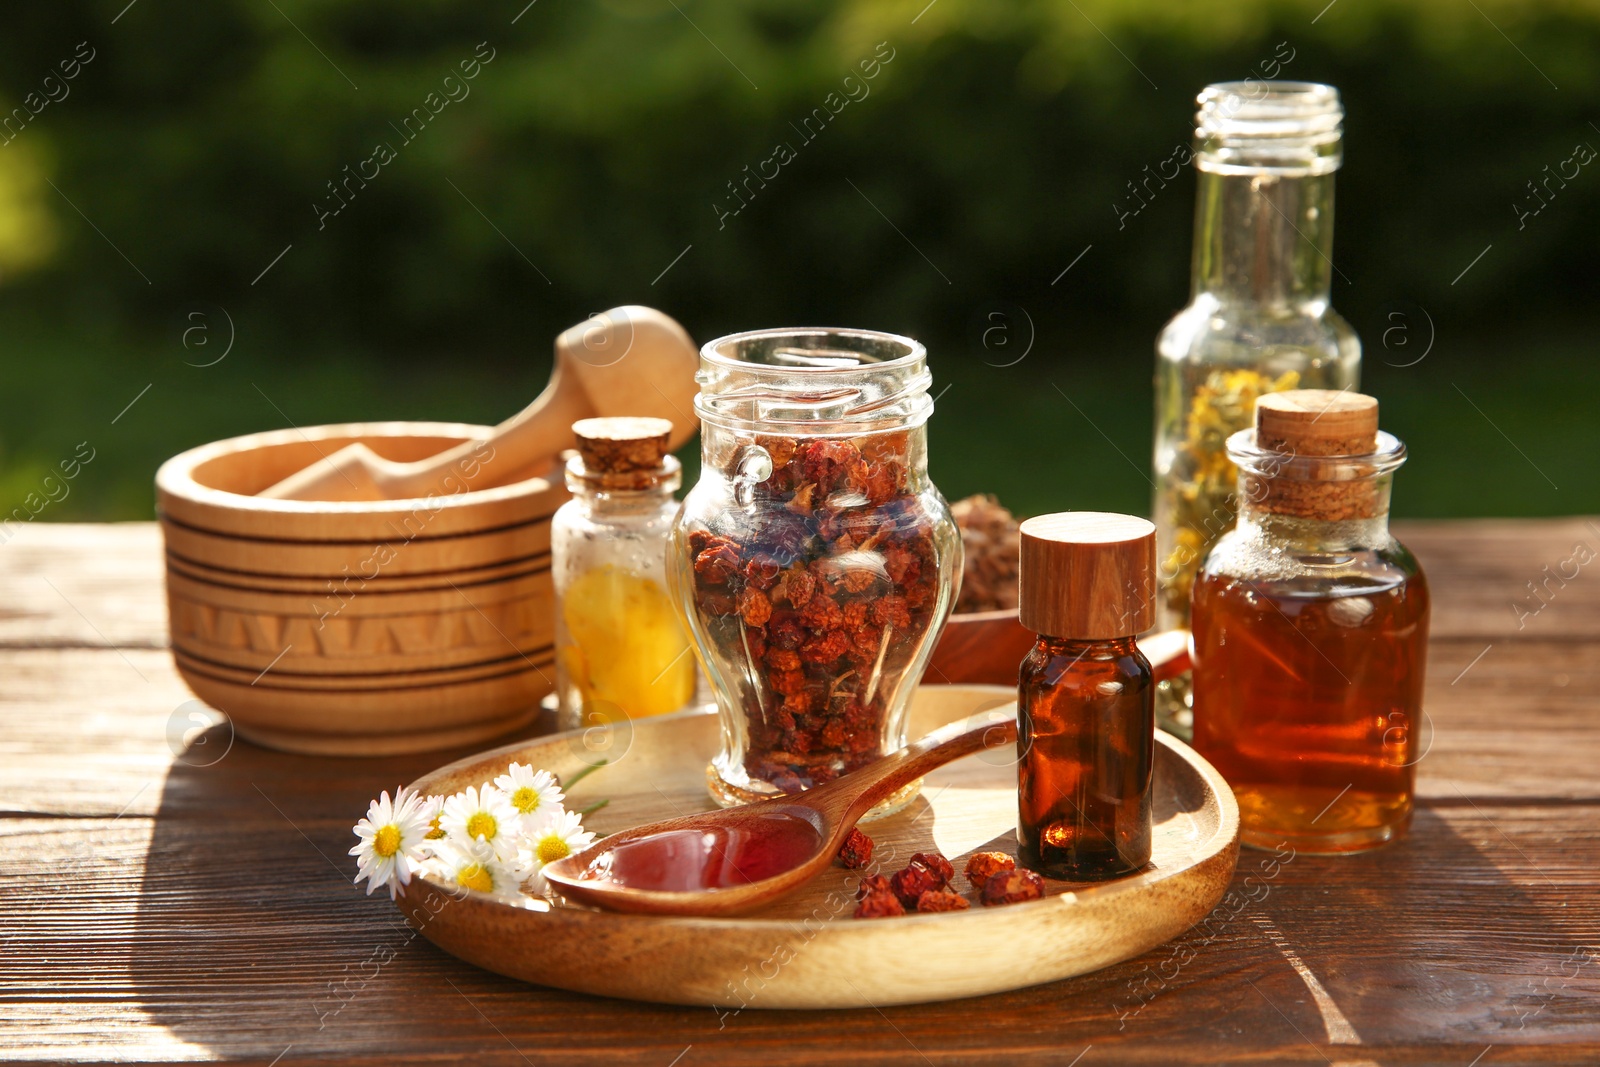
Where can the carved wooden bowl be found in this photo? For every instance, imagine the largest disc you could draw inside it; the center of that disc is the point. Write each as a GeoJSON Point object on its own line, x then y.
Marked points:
{"type": "Point", "coordinates": [358, 628]}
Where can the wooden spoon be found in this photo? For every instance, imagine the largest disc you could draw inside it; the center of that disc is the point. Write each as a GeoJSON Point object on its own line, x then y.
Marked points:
{"type": "Point", "coordinates": [729, 861]}
{"type": "Point", "coordinates": [627, 361]}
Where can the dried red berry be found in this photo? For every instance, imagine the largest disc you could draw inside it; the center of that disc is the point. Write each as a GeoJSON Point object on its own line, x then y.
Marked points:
{"type": "Point", "coordinates": [718, 562]}
{"type": "Point", "coordinates": [873, 883]}
{"type": "Point", "coordinates": [911, 882]}
{"type": "Point", "coordinates": [942, 900]}
{"type": "Point", "coordinates": [715, 602]}
{"type": "Point", "coordinates": [879, 906]}
{"type": "Point", "coordinates": [890, 611]}
{"type": "Point", "coordinates": [856, 852]}
{"type": "Point", "coordinates": [1012, 887]}
{"type": "Point", "coordinates": [822, 614]}
{"type": "Point", "coordinates": [785, 632]}
{"type": "Point", "coordinates": [936, 863]}
{"type": "Point", "coordinates": [796, 586]}
{"type": "Point", "coordinates": [754, 607]}
{"type": "Point", "coordinates": [825, 648]}
{"type": "Point", "coordinates": [982, 865]}
{"type": "Point", "coordinates": [783, 659]}
{"type": "Point", "coordinates": [761, 570]}
{"type": "Point", "coordinates": [787, 682]}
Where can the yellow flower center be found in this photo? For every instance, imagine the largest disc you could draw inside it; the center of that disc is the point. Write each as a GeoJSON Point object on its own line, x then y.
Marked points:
{"type": "Point", "coordinates": [475, 876]}
{"type": "Point", "coordinates": [551, 849]}
{"type": "Point", "coordinates": [386, 842]}
{"type": "Point", "coordinates": [482, 824]}
{"type": "Point", "coordinates": [435, 831]}
{"type": "Point", "coordinates": [526, 799]}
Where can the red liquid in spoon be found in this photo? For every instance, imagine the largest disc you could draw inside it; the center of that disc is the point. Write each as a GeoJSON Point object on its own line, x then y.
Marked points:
{"type": "Point", "coordinates": [683, 861]}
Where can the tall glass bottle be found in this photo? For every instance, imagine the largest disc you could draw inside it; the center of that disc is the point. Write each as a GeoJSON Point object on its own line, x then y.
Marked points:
{"type": "Point", "coordinates": [1259, 319]}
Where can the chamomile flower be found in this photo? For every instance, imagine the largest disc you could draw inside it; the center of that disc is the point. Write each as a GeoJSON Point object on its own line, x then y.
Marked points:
{"type": "Point", "coordinates": [434, 806]}
{"type": "Point", "coordinates": [554, 837]}
{"type": "Point", "coordinates": [482, 815]}
{"type": "Point", "coordinates": [391, 837]}
{"type": "Point", "coordinates": [476, 866]}
{"type": "Point", "coordinates": [532, 793]}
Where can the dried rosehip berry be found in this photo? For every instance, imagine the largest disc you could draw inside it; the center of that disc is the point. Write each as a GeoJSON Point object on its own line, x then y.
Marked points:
{"type": "Point", "coordinates": [855, 615]}
{"type": "Point", "coordinates": [911, 882]}
{"type": "Point", "coordinates": [873, 883]}
{"type": "Point", "coordinates": [825, 648]}
{"type": "Point", "coordinates": [787, 682]}
{"type": "Point", "coordinates": [754, 607]}
{"type": "Point", "coordinates": [942, 900]}
{"type": "Point", "coordinates": [715, 602]}
{"type": "Point", "coordinates": [784, 631]}
{"type": "Point", "coordinates": [797, 703]}
{"type": "Point", "coordinates": [781, 449]}
{"type": "Point", "coordinates": [835, 733]}
{"type": "Point", "coordinates": [856, 852]}
{"type": "Point", "coordinates": [822, 614]}
{"type": "Point", "coordinates": [718, 562]}
{"type": "Point", "coordinates": [796, 586]}
{"type": "Point", "coordinates": [761, 570]}
{"type": "Point", "coordinates": [982, 865]}
{"type": "Point", "coordinates": [936, 863]}
{"type": "Point", "coordinates": [890, 611]}
{"type": "Point", "coordinates": [783, 659]}
{"type": "Point", "coordinates": [1011, 887]}
{"type": "Point", "coordinates": [699, 541]}
{"type": "Point", "coordinates": [879, 906]}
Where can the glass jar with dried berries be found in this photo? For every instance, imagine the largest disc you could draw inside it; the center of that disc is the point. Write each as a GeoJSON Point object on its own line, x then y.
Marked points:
{"type": "Point", "coordinates": [814, 560]}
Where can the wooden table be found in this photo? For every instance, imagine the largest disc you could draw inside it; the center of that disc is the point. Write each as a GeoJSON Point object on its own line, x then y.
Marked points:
{"type": "Point", "coordinates": [165, 907]}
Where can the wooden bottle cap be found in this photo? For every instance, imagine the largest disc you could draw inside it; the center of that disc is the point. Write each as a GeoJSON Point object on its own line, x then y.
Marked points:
{"type": "Point", "coordinates": [622, 445]}
{"type": "Point", "coordinates": [1317, 422]}
{"type": "Point", "coordinates": [1087, 575]}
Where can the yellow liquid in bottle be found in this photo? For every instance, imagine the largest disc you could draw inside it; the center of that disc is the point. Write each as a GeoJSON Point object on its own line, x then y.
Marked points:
{"type": "Point", "coordinates": [628, 648]}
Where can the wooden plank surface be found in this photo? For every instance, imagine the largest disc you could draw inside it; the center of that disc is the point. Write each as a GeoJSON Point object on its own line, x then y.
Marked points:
{"type": "Point", "coordinates": [159, 902]}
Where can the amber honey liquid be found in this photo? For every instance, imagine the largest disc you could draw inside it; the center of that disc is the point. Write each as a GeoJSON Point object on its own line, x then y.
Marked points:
{"type": "Point", "coordinates": [1307, 699]}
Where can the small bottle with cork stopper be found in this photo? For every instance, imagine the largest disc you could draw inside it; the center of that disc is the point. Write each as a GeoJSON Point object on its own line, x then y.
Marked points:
{"type": "Point", "coordinates": [1310, 631]}
{"type": "Point", "coordinates": [621, 650]}
{"type": "Point", "coordinates": [1085, 697]}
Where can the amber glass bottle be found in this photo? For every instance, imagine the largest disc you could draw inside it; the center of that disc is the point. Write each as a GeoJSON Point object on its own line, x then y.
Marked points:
{"type": "Point", "coordinates": [1310, 631]}
{"type": "Point", "coordinates": [1085, 697]}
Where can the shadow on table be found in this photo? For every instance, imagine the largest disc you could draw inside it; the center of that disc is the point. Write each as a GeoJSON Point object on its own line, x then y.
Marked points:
{"type": "Point", "coordinates": [250, 938]}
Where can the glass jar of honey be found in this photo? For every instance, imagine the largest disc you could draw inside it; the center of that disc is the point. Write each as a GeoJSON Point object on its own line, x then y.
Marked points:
{"type": "Point", "coordinates": [1310, 631]}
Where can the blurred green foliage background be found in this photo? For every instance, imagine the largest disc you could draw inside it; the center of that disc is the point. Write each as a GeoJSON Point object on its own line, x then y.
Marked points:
{"type": "Point", "coordinates": [164, 201]}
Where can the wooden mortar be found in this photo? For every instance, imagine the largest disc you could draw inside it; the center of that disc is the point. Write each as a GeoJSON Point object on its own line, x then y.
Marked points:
{"type": "Point", "coordinates": [358, 627]}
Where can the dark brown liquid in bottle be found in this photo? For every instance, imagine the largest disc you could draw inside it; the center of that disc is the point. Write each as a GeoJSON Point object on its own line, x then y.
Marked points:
{"type": "Point", "coordinates": [1086, 741]}
{"type": "Point", "coordinates": [1307, 702]}
{"type": "Point", "coordinates": [685, 861]}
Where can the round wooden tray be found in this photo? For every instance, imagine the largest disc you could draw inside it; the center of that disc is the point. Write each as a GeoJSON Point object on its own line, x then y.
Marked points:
{"type": "Point", "coordinates": [806, 951]}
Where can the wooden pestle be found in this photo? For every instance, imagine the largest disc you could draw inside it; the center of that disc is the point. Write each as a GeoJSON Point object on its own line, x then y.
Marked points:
{"type": "Point", "coordinates": [630, 360]}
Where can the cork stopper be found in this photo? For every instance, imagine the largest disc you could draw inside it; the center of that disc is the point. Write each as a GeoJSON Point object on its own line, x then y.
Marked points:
{"type": "Point", "coordinates": [623, 452]}
{"type": "Point", "coordinates": [619, 445]}
{"type": "Point", "coordinates": [1315, 423]}
{"type": "Point", "coordinates": [1087, 575]}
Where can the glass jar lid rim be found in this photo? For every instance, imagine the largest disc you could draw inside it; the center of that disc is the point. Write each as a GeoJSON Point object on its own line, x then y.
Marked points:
{"type": "Point", "coordinates": [715, 351]}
